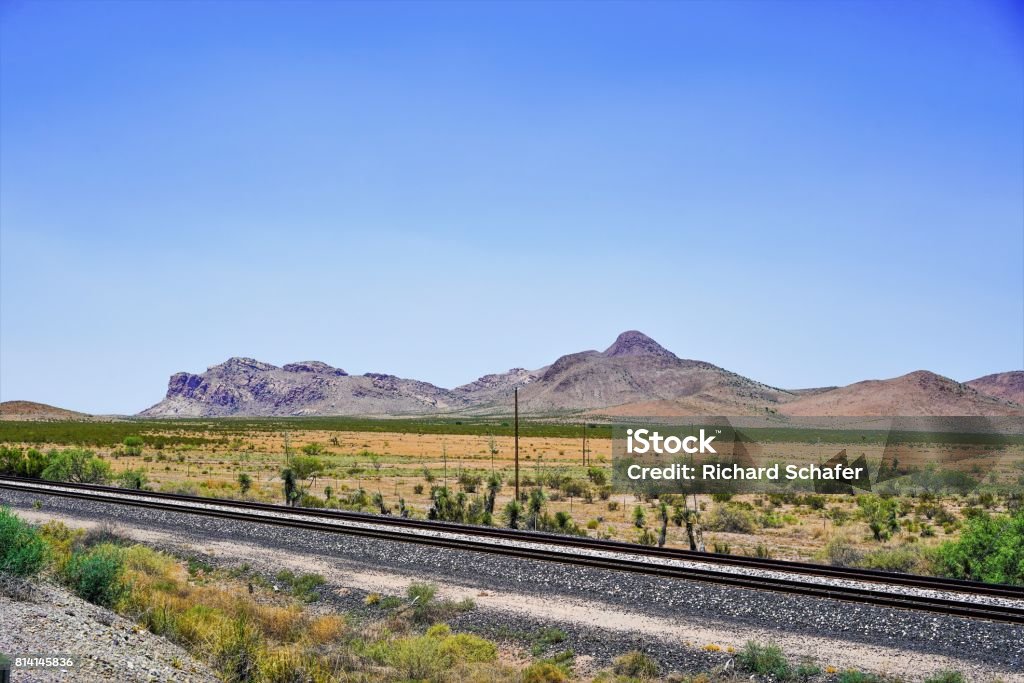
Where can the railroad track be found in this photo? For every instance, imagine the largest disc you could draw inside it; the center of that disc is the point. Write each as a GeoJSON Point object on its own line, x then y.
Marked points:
{"type": "Point", "coordinates": [946, 596]}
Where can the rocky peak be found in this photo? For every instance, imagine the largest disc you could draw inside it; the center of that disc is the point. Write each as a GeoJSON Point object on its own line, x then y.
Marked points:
{"type": "Point", "coordinates": [240, 364]}
{"type": "Point", "coordinates": [633, 343]}
{"type": "Point", "coordinates": [314, 366]}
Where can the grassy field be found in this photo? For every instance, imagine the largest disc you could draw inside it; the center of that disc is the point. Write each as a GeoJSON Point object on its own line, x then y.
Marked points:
{"type": "Point", "coordinates": [399, 465]}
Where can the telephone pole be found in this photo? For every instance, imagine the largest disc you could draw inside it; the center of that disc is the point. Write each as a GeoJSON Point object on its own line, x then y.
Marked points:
{"type": "Point", "coordinates": [584, 443]}
{"type": "Point", "coordinates": [517, 441]}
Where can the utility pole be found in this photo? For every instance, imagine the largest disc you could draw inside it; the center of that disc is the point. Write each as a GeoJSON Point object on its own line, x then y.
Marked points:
{"type": "Point", "coordinates": [584, 443]}
{"type": "Point", "coordinates": [517, 441]}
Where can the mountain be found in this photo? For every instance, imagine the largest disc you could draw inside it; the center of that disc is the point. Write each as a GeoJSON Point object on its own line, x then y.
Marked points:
{"type": "Point", "coordinates": [497, 387]}
{"type": "Point", "coordinates": [635, 376]}
{"type": "Point", "coordinates": [30, 410]}
{"type": "Point", "coordinates": [634, 370]}
{"type": "Point", "coordinates": [243, 386]}
{"type": "Point", "coordinates": [1008, 386]}
{"type": "Point", "coordinates": [914, 394]}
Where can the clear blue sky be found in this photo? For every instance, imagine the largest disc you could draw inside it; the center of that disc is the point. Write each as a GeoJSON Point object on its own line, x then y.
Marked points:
{"type": "Point", "coordinates": [805, 193]}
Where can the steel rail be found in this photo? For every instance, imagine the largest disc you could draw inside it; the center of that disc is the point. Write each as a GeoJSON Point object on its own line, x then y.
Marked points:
{"type": "Point", "coordinates": [946, 606]}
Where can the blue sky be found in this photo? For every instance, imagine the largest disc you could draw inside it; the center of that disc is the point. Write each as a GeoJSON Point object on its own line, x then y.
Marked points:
{"type": "Point", "coordinates": [805, 193]}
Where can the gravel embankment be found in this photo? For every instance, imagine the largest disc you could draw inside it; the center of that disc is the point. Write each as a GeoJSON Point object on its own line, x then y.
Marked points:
{"type": "Point", "coordinates": [106, 647]}
{"type": "Point", "coordinates": [773, 614]}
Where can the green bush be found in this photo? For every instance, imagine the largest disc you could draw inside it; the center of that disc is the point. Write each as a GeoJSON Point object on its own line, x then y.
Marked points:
{"type": "Point", "coordinates": [302, 586]}
{"type": "Point", "coordinates": [881, 515]}
{"type": "Point", "coordinates": [946, 677]}
{"type": "Point", "coordinates": [730, 518]}
{"type": "Point", "coordinates": [417, 658]}
{"type": "Point", "coordinates": [23, 464]}
{"type": "Point", "coordinates": [545, 638]}
{"type": "Point", "coordinates": [22, 549]}
{"type": "Point", "coordinates": [133, 445]}
{"type": "Point", "coordinates": [990, 549]}
{"type": "Point", "coordinates": [912, 559]}
{"type": "Point", "coordinates": [545, 672]}
{"type": "Point", "coordinates": [764, 659]}
{"type": "Point", "coordinates": [421, 595]}
{"type": "Point", "coordinates": [96, 575]}
{"type": "Point", "coordinates": [466, 647]}
{"type": "Point", "coordinates": [76, 465]}
{"type": "Point", "coordinates": [133, 479]}
{"type": "Point", "coordinates": [635, 664]}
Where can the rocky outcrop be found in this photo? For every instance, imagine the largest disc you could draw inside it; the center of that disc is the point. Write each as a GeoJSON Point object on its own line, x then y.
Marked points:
{"type": "Point", "coordinates": [243, 386]}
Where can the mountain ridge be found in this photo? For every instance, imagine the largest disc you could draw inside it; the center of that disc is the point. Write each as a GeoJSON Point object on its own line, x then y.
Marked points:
{"type": "Point", "coordinates": [632, 374]}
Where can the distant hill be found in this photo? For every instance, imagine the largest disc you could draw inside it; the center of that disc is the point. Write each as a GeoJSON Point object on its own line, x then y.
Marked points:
{"type": "Point", "coordinates": [1008, 386]}
{"type": "Point", "coordinates": [917, 393]}
{"type": "Point", "coordinates": [635, 376]}
{"type": "Point", "coordinates": [30, 410]}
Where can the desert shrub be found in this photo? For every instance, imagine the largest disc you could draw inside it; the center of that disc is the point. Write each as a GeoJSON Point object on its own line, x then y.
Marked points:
{"type": "Point", "coordinates": [22, 549]}
{"type": "Point", "coordinates": [806, 669]}
{"type": "Point", "coordinates": [418, 489]}
{"type": "Point", "coordinates": [466, 647]}
{"type": "Point", "coordinates": [990, 549]}
{"type": "Point", "coordinates": [132, 479]}
{"type": "Point", "coordinates": [721, 497]}
{"type": "Point", "coordinates": [814, 501]}
{"type": "Point", "coordinates": [597, 476]}
{"type": "Point", "coordinates": [839, 552]}
{"type": "Point", "coordinates": [575, 488]}
{"type": "Point", "coordinates": [60, 541]}
{"type": "Point", "coordinates": [313, 448]}
{"type": "Point", "coordinates": [545, 638]}
{"type": "Point", "coordinates": [103, 534]}
{"type": "Point", "coordinates": [730, 518]}
{"type": "Point", "coordinates": [308, 500]}
{"type": "Point", "coordinates": [635, 664]}
{"type": "Point", "coordinates": [302, 586]}
{"type": "Point", "coordinates": [96, 574]}
{"type": "Point", "coordinates": [16, 462]}
{"type": "Point", "coordinates": [244, 483]}
{"type": "Point", "coordinates": [417, 658]}
{"type": "Point", "coordinates": [545, 672]}
{"type": "Point", "coordinates": [881, 515]}
{"type": "Point", "coordinates": [421, 595]}
{"type": "Point", "coordinates": [906, 559]}
{"type": "Point", "coordinates": [647, 537]}
{"type": "Point", "coordinates": [236, 651]}
{"type": "Point", "coordinates": [76, 465]}
{"type": "Point", "coordinates": [946, 677]}
{"type": "Point", "coordinates": [133, 445]}
{"type": "Point", "coordinates": [764, 660]}
{"type": "Point", "coordinates": [513, 514]}
{"type": "Point", "coordinates": [470, 482]}
{"type": "Point", "coordinates": [852, 676]}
